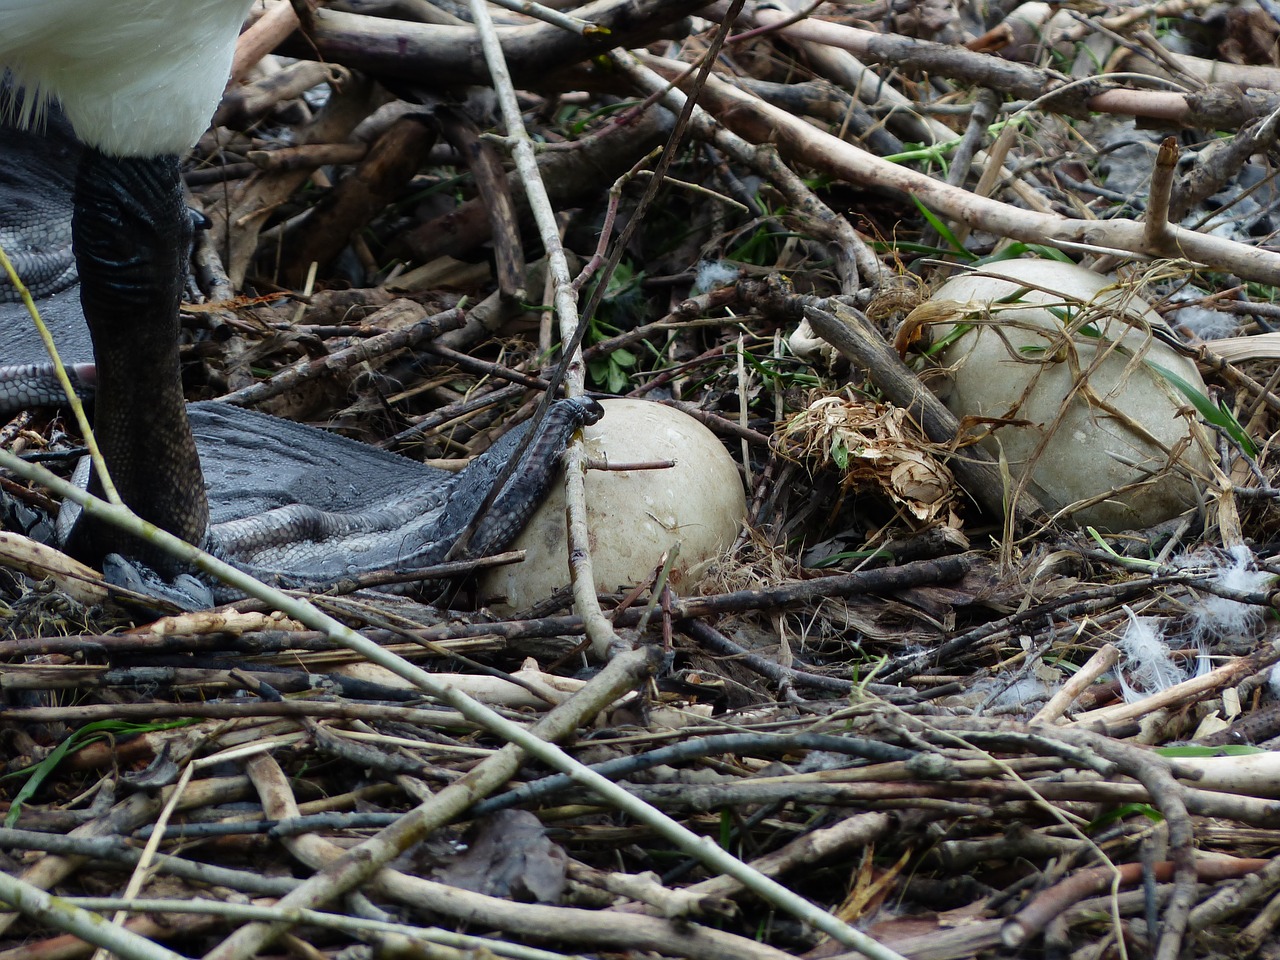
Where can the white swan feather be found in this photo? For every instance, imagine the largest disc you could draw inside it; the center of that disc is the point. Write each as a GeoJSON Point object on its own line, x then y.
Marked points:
{"type": "Point", "coordinates": [134, 77]}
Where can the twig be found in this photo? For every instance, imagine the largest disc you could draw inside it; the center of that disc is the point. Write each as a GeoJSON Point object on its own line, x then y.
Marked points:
{"type": "Point", "coordinates": [1156, 220]}
{"type": "Point", "coordinates": [89, 927]}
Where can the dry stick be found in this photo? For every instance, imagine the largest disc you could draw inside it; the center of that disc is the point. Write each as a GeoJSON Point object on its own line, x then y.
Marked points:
{"type": "Point", "coordinates": [361, 863]}
{"type": "Point", "coordinates": [494, 192]}
{"type": "Point", "coordinates": [1228, 370]}
{"type": "Point", "coordinates": [1082, 602]}
{"type": "Point", "coordinates": [393, 315]}
{"type": "Point", "coordinates": [862, 582]}
{"type": "Point", "coordinates": [228, 710]}
{"type": "Point", "coordinates": [1020, 80]}
{"type": "Point", "coordinates": [143, 868]}
{"type": "Point", "coordinates": [1155, 775]}
{"type": "Point", "coordinates": [1220, 162]}
{"type": "Point", "coordinates": [601, 929]}
{"type": "Point", "coordinates": [845, 70]}
{"type": "Point", "coordinates": [802, 143]}
{"type": "Point", "coordinates": [651, 896]}
{"type": "Point", "coordinates": [969, 795]}
{"type": "Point", "coordinates": [61, 946]}
{"type": "Point", "coordinates": [428, 54]}
{"type": "Point", "coordinates": [110, 851]}
{"type": "Point", "coordinates": [852, 256]}
{"type": "Point", "coordinates": [89, 927]}
{"type": "Point", "coordinates": [715, 641]}
{"type": "Point", "coordinates": [458, 410]}
{"type": "Point", "coordinates": [857, 832]}
{"type": "Point", "coordinates": [1231, 899]}
{"type": "Point", "coordinates": [571, 369]}
{"type": "Point", "coordinates": [123, 818]}
{"type": "Point", "coordinates": [826, 36]}
{"type": "Point", "coordinates": [356, 926]}
{"type": "Point", "coordinates": [1138, 14]}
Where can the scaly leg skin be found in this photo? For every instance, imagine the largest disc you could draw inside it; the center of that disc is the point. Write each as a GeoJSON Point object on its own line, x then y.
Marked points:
{"type": "Point", "coordinates": [526, 489]}
{"type": "Point", "coordinates": [132, 237]}
{"type": "Point", "coordinates": [417, 525]}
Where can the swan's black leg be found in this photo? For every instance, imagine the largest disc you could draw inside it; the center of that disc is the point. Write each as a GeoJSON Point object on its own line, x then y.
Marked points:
{"type": "Point", "coordinates": [131, 232]}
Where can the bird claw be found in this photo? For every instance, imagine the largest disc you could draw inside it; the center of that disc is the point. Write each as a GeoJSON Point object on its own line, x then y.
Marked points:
{"type": "Point", "coordinates": [185, 591]}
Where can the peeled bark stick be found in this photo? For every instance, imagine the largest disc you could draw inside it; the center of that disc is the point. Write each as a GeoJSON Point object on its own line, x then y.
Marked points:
{"type": "Point", "coordinates": [912, 54]}
{"type": "Point", "coordinates": [1102, 661]}
{"type": "Point", "coordinates": [802, 143]}
{"type": "Point", "coordinates": [1221, 107]}
{"type": "Point", "coordinates": [828, 45]}
{"type": "Point", "coordinates": [856, 340]}
{"type": "Point", "coordinates": [1189, 691]}
{"type": "Point", "coordinates": [244, 104]}
{"type": "Point", "coordinates": [260, 39]}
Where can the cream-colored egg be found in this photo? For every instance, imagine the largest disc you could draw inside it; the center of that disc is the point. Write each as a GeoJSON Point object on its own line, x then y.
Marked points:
{"type": "Point", "coordinates": [1083, 425]}
{"type": "Point", "coordinates": [634, 516]}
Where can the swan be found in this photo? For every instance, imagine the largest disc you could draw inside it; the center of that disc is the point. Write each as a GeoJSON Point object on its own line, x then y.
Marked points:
{"type": "Point", "coordinates": [290, 503]}
{"type": "Point", "coordinates": [138, 81]}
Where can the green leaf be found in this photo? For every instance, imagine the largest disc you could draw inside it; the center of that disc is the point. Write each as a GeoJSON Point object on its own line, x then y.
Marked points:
{"type": "Point", "coordinates": [954, 334]}
{"type": "Point", "coordinates": [1132, 563]}
{"type": "Point", "coordinates": [598, 368]}
{"type": "Point", "coordinates": [944, 231]}
{"type": "Point", "coordinates": [1124, 811]}
{"type": "Point", "coordinates": [618, 379]}
{"type": "Point", "coordinates": [1226, 750]}
{"type": "Point", "coordinates": [91, 733]}
{"type": "Point", "coordinates": [1211, 412]}
{"type": "Point", "coordinates": [1015, 251]}
{"type": "Point", "coordinates": [840, 454]}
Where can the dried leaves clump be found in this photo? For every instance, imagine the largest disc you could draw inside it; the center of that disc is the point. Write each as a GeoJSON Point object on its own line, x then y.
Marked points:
{"type": "Point", "coordinates": [873, 447]}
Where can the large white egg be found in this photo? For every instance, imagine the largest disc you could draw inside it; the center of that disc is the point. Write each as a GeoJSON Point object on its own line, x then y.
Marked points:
{"type": "Point", "coordinates": [633, 516]}
{"type": "Point", "coordinates": [1084, 420]}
